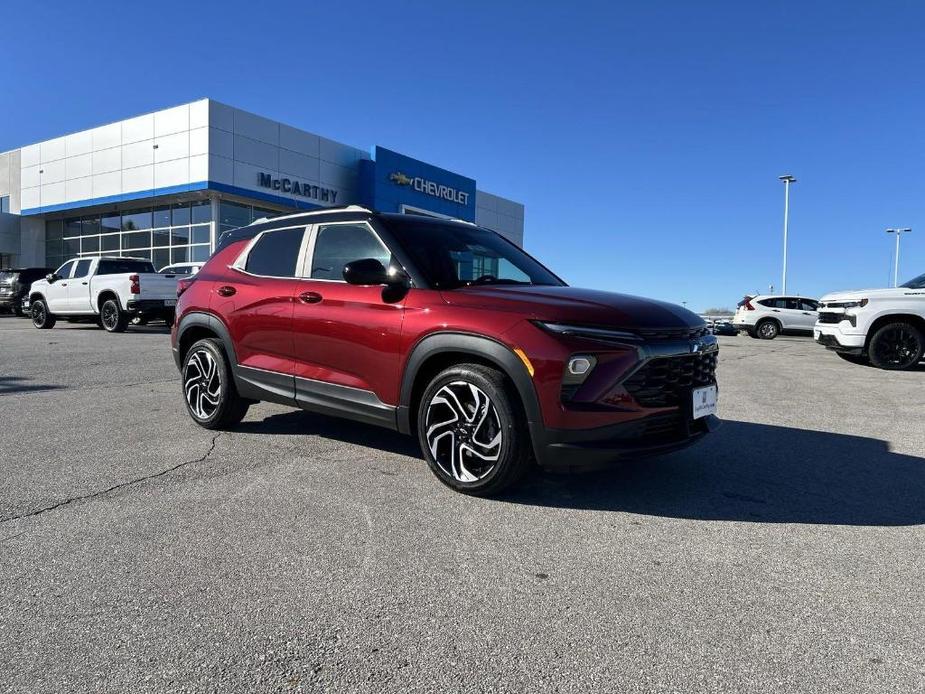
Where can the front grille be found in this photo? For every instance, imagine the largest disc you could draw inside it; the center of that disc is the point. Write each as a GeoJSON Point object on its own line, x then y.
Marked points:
{"type": "Point", "coordinates": [664, 381]}
{"type": "Point", "coordinates": [831, 317]}
{"type": "Point", "coordinates": [827, 340]}
{"type": "Point", "coordinates": [654, 334]}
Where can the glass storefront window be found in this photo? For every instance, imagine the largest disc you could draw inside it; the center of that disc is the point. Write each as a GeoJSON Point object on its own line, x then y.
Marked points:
{"type": "Point", "coordinates": [111, 222]}
{"type": "Point", "coordinates": [199, 253]}
{"type": "Point", "coordinates": [161, 216]}
{"type": "Point", "coordinates": [179, 236]}
{"type": "Point", "coordinates": [179, 255]}
{"type": "Point", "coordinates": [136, 219]}
{"type": "Point", "coordinates": [90, 225]}
{"type": "Point", "coordinates": [200, 234]}
{"type": "Point", "coordinates": [201, 212]}
{"type": "Point", "coordinates": [90, 244]}
{"type": "Point", "coordinates": [109, 243]}
{"type": "Point", "coordinates": [72, 227]}
{"type": "Point", "coordinates": [71, 247]}
{"type": "Point", "coordinates": [181, 214]}
{"type": "Point", "coordinates": [234, 215]}
{"type": "Point", "coordinates": [136, 239]}
{"type": "Point", "coordinates": [161, 237]}
{"type": "Point", "coordinates": [161, 257]}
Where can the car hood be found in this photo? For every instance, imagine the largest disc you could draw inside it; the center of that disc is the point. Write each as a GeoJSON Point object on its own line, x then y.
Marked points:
{"type": "Point", "coordinates": [585, 306]}
{"type": "Point", "coordinates": [855, 294]}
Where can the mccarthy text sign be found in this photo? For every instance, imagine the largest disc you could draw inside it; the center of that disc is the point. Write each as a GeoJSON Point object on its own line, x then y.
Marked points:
{"type": "Point", "coordinates": [294, 187]}
{"type": "Point", "coordinates": [438, 190]}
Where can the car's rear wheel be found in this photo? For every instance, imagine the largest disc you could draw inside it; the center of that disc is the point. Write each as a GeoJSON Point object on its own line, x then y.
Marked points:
{"type": "Point", "coordinates": [209, 391]}
{"type": "Point", "coordinates": [42, 318]}
{"type": "Point", "coordinates": [767, 329]}
{"type": "Point", "coordinates": [896, 346]}
{"type": "Point", "coordinates": [472, 430]}
{"type": "Point", "coordinates": [112, 317]}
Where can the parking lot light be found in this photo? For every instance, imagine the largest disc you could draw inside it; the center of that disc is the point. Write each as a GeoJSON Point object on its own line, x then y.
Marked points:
{"type": "Point", "coordinates": [898, 232]}
{"type": "Point", "coordinates": [787, 180]}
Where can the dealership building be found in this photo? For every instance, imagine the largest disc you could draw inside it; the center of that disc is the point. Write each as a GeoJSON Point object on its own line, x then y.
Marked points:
{"type": "Point", "coordinates": [165, 185]}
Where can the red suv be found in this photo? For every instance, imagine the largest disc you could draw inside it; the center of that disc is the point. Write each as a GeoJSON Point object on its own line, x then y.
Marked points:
{"type": "Point", "coordinates": [444, 330]}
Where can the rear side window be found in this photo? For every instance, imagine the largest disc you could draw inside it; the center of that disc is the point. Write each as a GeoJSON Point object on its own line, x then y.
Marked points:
{"type": "Point", "coordinates": [809, 305]}
{"type": "Point", "coordinates": [120, 267]}
{"type": "Point", "coordinates": [276, 253]}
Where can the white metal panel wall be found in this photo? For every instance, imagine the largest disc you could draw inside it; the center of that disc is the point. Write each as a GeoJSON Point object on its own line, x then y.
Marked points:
{"type": "Point", "coordinates": [164, 149]}
{"type": "Point", "coordinates": [500, 214]}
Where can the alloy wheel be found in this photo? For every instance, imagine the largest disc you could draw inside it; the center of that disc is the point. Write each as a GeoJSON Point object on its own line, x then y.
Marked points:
{"type": "Point", "coordinates": [897, 347]}
{"type": "Point", "coordinates": [38, 314]}
{"type": "Point", "coordinates": [463, 431]}
{"type": "Point", "coordinates": [202, 384]}
{"type": "Point", "coordinates": [110, 316]}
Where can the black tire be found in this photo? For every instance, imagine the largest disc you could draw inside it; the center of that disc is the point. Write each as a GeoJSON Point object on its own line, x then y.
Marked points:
{"type": "Point", "coordinates": [42, 318]}
{"type": "Point", "coordinates": [460, 429]}
{"type": "Point", "coordinates": [112, 317]}
{"type": "Point", "coordinates": [767, 329]}
{"type": "Point", "coordinates": [896, 346]}
{"type": "Point", "coordinates": [853, 358]}
{"type": "Point", "coordinates": [221, 407]}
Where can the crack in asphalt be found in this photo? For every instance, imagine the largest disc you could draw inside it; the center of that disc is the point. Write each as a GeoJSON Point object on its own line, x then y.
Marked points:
{"type": "Point", "coordinates": [116, 487]}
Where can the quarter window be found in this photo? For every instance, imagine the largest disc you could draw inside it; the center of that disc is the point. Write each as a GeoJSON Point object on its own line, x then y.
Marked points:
{"type": "Point", "coordinates": [339, 244]}
{"type": "Point", "coordinates": [275, 254]}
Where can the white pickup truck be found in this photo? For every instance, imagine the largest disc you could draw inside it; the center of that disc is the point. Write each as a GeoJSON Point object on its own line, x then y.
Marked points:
{"type": "Point", "coordinates": [111, 289]}
{"type": "Point", "coordinates": [883, 326]}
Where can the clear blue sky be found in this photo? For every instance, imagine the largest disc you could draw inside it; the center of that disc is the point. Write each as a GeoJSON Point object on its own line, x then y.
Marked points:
{"type": "Point", "coordinates": [645, 138]}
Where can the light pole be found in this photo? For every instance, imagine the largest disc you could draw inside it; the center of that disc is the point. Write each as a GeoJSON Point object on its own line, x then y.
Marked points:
{"type": "Point", "coordinates": [896, 260]}
{"type": "Point", "coordinates": [787, 179]}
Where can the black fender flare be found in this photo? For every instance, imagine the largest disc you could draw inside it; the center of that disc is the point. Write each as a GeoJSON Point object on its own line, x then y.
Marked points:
{"type": "Point", "coordinates": [477, 345]}
{"type": "Point", "coordinates": [205, 320]}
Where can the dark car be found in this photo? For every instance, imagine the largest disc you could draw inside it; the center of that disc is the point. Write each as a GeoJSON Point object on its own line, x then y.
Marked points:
{"type": "Point", "coordinates": [443, 330]}
{"type": "Point", "coordinates": [724, 327]}
{"type": "Point", "coordinates": [14, 287]}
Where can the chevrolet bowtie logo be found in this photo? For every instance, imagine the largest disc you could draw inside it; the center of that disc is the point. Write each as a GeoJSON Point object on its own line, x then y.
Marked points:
{"type": "Point", "coordinates": [400, 178]}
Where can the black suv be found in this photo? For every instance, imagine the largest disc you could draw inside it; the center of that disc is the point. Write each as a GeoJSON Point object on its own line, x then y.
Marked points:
{"type": "Point", "coordinates": [14, 287]}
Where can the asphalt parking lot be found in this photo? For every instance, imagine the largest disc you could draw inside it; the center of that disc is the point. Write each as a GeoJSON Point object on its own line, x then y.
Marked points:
{"type": "Point", "coordinates": [139, 552]}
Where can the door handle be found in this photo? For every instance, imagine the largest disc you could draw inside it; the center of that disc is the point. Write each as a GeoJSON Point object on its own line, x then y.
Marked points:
{"type": "Point", "coordinates": [83, 283]}
{"type": "Point", "coordinates": [310, 297]}
{"type": "Point", "coordinates": [64, 284]}
{"type": "Point", "coordinates": [776, 310]}
{"type": "Point", "coordinates": [226, 291]}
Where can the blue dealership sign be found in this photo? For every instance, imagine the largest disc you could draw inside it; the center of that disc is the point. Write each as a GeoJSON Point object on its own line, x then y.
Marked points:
{"type": "Point", "coordinates": [393, 182]}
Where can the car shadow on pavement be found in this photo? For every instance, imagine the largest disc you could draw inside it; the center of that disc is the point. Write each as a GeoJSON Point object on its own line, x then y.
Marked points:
{"type": "Point", "coordinates": [302, 423]}
{"type": "Point", "coordinates": [753, 473]}
{"type": "Point", "coordinates": [10, 385]}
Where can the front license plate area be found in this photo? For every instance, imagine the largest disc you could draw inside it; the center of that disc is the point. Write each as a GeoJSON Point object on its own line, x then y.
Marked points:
{"type": "Point", "coordinates": [703, 401]}
{"type": "Point", "coordinates": [170, 303]}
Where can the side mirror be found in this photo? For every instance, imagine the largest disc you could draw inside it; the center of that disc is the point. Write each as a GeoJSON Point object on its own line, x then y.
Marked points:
{"type": "Point", "coordinates": [367, 271]}
{"type": "Point", "coordinates": [51, 277]}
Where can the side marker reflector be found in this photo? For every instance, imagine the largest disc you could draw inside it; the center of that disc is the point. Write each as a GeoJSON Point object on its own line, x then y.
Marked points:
{"type": "Point", "coordinates": [523, 357]}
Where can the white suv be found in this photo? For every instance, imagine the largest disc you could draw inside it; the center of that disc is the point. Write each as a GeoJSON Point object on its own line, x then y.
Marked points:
{"type": "Point", "coordinates": [767, 316]}
{"type": "Point", "coordinates": [884, 326]}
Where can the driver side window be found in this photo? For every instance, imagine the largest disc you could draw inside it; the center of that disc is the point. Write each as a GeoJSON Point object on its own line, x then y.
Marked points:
{"type": "Point", "coordinates": [339, 244]}
{"type": "Point", "coordinates": [64, 272]}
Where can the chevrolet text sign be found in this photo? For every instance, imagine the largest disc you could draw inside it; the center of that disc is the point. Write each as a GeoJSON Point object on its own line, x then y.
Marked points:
{"type": "Point", "coordinates": [438, 190]}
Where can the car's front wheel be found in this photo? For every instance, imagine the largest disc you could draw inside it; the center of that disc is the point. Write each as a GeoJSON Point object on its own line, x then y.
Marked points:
{"type": "Point", "coordinates": [42, 318]}
{"type": "Point", "coordinates": [472, 430]}
{"type": "Point", "coordinates": [208, 387]}
{"type": "Point", "coordinates": [896, 346]}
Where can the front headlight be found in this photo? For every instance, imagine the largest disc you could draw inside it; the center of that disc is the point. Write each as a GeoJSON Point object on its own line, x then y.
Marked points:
{"type": "Point", "coordinates": [588, 331]}
{"type": "Point", "coordinates": [860, 303]}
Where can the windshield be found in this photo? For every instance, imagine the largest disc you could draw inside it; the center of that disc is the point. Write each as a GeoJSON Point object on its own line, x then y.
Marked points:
{"type": "Point", "coordinates": [453, 255]}
{"type": "Point", "coordinates": [917, 283]}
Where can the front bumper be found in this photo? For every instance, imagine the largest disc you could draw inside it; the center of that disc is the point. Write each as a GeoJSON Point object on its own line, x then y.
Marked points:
{"type": "Point", "coordinates": [833, 336]}
{"type": "Point", "coordinates": [588, 449]}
